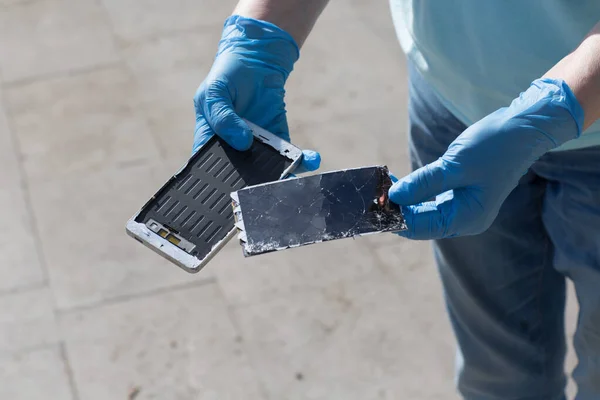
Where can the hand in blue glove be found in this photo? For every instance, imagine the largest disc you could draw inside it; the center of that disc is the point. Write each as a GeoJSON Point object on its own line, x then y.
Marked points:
{"type": "Point", "coordinates": [246, 80]}
{"type": "Point", "coordinates": [484, 164]}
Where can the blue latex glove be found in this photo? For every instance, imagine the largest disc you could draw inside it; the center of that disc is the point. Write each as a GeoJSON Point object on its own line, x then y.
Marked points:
{"type": "Point", "coordinates": [484, 164]}
{"type": "Point", "coordinates": [247, 80]}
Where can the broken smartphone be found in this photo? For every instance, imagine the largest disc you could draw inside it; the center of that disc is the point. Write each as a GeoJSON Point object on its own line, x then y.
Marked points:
{"type": "Point", "coordinates": [318, 208]}
{"type": "Point", "coordinates": [190, 218]}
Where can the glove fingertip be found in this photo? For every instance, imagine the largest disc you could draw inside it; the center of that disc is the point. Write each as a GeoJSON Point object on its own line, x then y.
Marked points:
{"type": "Point", "coordinates": [417, 220]}
{"type": "Point", "coordinates": [241, 140]}
{"type": "Point", "coordinates": [235, 132]}
{"type": "Point", "coordinates": [422, 184]}
{"type": "Point", "coordinates": [311, 160]}
{"type": "Point", "coordinates": [398, 192]}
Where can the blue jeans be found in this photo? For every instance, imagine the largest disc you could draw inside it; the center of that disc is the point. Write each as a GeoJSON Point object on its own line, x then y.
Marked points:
{"type": "Point", "coordinates": [505, 288]}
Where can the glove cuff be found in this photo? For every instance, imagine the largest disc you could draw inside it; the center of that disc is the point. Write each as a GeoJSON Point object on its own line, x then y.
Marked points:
{"type": "Point", "coordinates": [266, 41]}
{"type": "Point", "coordinates": [560, 95]}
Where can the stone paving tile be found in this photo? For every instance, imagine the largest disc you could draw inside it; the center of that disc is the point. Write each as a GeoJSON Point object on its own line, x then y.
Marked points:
{"type": "Point", "coordinates": [261, 278]}
{"type": "Point", "coordinates": [345, 69]}
{"type": "Point", "coordinates": [404, 259]}
{"type": "Point", "coordinates": [10, 174]}
{"type": "Point", "coordinates": [409, 266]}
{"type": "Point", "coordinates": [79, 124]}
{"type": "Point", "coordinates": [82, 224]}
{"type": "Point", "coordinates": [384, 240]}
{"type": "Point", "coordinates": [355, 339]}
{"type": "Point", "coordinates": [138, 19]}
{"type": "Point", "coordinates": [27, 320]}
{"type": "Point", "coordinates": [35, 375]}
{"type": "Point", "coordinates": [6, 3]}
{"type": "Point", "coordinates": [168, 70]}
{"type": "Point", "coordinates": [19, 262]}
{"type": "Point", "coordinates": [288, 334]}
{"type": "Point", "coordinates": [177, 345]}
{"type": "Point", "coordinates": [359, 140]}
{"type": "Point", "coordinates": [45, 37]}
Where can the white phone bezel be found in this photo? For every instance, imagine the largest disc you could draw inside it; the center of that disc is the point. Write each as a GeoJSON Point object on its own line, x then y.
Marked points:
{"type": "Point", "coordinates": [184, 260]}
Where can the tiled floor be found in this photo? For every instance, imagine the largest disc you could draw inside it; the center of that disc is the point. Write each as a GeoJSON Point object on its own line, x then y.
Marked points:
{"type": "Point", "coordinates": [95, 113]}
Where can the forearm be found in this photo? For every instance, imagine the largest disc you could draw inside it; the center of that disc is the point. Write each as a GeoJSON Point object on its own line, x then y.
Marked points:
{"type": "Point", "coordinates": [581, 71]}
{"type": "Point", "coordinates": [297, 17]}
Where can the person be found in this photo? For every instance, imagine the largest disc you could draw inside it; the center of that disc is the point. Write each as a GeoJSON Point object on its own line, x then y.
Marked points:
{"type": "Point", "coordinates": [506, 157]}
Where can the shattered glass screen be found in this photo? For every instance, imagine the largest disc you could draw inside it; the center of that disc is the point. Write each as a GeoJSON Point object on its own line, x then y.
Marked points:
{"type": "Point", "coordinates": [318, 208]}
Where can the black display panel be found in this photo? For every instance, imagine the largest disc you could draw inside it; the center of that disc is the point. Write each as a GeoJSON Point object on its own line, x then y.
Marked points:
{"type": "Point", "coordinates": [316, 208]}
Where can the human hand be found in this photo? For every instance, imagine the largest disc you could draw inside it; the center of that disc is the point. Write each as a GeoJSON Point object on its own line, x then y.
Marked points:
{"type": "Point", "coordinates": [484, 164]}
{"type": "Point", "coordinates": [247, 80]}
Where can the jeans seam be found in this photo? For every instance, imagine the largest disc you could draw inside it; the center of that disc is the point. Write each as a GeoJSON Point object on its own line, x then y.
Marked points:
{"type": "Point", "coordinates": [546, 263]}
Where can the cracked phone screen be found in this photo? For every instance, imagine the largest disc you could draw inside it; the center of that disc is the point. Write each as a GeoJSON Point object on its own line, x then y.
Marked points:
{"type": "Point", "coordinates": [318, 208]}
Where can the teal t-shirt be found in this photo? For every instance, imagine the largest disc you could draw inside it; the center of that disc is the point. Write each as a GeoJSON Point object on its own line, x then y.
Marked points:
{"type": "Point", "coordinates": [478, 55]}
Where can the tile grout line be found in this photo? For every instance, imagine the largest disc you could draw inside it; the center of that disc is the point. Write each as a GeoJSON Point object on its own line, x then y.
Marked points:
{"type": "Point", "coordinates": [24, 185]}
{"type": "Point", "coordinates": [33, 222]}
{"type": "Point", "coordinates": [129, 297]}
{"type": "Point", "coordinates": [167, 33]}
{"type": "Point", "coordinates": [68, 369]}
{"type": "Point", "coordinates": [238, 330]}
{"type": "Point", "coordinates": [162, 152]}
{"type": "Point", "coordinates": [16, 145]}
{"type": "Point", "coordinates": [23, 289]}
{"type": "Point", "coordinates": [100, 66]}
{"type": "Point", "coordinates": [29, 349]}
{"type": "Point", "coordinates": [60, 74]}
{"type": "Point", "coordinates": [22, 3]}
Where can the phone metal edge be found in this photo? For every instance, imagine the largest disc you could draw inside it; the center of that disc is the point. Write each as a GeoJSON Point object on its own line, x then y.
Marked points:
{"type": "Point", "coordinates": [239, 222]}
{"type": "Point", "coordinates": [284, 147]}
{"type": "Point", "coordinates": [178, 256]}
{"type": "Point", "coordinates": [323, 173]}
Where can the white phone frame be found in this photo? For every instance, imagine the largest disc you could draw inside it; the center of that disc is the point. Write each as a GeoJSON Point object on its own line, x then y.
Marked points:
{"type": "Point", "coordinates": [178, 256]}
